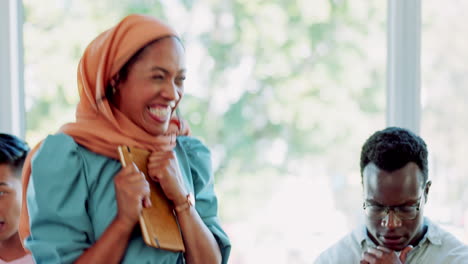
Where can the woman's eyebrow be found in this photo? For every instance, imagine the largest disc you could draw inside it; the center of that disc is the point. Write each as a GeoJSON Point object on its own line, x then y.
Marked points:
{"type": "Point", "coordinates": [158, 68]}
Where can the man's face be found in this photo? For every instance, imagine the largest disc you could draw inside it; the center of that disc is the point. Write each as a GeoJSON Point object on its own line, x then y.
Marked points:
{"type": "Point", "coordinates": [402, 187]}
{"type": "Point", "coordinates": [10, 202]}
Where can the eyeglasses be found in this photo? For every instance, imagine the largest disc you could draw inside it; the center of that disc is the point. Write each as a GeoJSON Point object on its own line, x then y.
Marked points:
{"type": "Point", "coordinates": [404, 212]}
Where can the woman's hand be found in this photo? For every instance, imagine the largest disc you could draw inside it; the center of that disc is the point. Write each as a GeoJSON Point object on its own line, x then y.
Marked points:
{"type": "Point", "coordinates": [164, 168]}
{"type": "Point", "coordinates": [132, 193]}
{"type": "Point", "coordinates": [200, 243]}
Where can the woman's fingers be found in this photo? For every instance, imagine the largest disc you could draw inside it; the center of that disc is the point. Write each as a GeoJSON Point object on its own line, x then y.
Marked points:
{"type": "Point", "coordinates": [139, 184]}
{"type": "Point", "coordinates": [163, 168]}
{"type": "Point", "coordinates": [147, 202]}
{"type": "Point", "coordinates": [132, 192]}
{"type": "Point", "coordinates": [160, 155]}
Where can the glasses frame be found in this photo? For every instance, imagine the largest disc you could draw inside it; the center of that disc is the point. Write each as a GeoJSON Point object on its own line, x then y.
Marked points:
{"type": "Point", "coordinates": [395, 209]}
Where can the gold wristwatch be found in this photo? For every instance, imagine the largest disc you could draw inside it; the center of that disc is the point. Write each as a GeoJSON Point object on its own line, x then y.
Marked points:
{"type": "Point", "coordinates": [189, 202]}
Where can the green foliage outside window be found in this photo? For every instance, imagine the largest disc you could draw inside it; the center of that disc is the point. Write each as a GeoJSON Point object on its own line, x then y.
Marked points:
{"type": "Point", "coordinates": [277, 89]}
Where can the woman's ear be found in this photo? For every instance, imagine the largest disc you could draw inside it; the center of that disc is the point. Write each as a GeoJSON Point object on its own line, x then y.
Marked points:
{"type": "Point", "coordinates": [114, 82]}
{"type": "Point", "coordinates": [112, 88]}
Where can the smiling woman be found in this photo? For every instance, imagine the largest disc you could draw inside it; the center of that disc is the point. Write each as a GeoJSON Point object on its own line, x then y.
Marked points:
{"type": "Point", "coordinates": [158, 68]}
{"type": "Point", "coordinates": [130, 81]}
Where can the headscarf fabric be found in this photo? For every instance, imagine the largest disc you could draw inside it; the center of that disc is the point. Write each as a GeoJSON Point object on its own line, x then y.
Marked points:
{"type": "Point", "coordinates": [99, 126]}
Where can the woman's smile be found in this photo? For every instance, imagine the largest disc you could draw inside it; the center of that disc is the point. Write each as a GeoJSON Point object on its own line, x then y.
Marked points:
{"type": "Point", "coordinates": [160, 113]}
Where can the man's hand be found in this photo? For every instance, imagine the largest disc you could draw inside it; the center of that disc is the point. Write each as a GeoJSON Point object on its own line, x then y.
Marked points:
{"type": "Point", "coordinates": [382, 255]}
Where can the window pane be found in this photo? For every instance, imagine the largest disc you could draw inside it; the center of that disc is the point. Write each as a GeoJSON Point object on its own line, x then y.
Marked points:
{"type": "Point", "coordinates": [444, 115]}
{"type": "Point", "coordinates": [284, 93]}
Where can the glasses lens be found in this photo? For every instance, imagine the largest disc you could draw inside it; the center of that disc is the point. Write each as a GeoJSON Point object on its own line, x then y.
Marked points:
{"type": "Point", "coordinates": [375, 211]}
{"type": "Point", "coordinates": [404, 212]}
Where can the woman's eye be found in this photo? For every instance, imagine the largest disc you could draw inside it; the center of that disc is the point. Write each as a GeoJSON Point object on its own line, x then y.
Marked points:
{"type": "Point", "coordinates": [180, 79]}
{"type": "Point", "coordinates": [157, 77]}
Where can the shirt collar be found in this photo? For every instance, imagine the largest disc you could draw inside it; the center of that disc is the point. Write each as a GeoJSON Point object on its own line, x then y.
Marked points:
{"type": "Point", "coordinates": [433, 235]}
{"type": "Point", "coordinates": [361, 235]}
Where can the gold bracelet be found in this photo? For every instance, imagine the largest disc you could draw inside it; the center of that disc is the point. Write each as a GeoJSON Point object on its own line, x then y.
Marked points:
{"type": "Point", "coordinates": [189, 202]}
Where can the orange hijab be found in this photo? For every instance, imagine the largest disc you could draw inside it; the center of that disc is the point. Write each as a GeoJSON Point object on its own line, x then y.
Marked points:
{"type": "Point", "coordinates": [99, 126]}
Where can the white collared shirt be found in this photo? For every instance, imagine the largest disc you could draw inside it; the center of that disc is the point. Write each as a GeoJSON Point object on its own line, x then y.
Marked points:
{"type": "Point", "coordinates": [436, 247]}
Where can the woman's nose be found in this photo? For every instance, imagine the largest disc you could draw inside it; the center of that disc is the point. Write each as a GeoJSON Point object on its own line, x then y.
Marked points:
{"type": "Point", "coordinates": [170, 92]}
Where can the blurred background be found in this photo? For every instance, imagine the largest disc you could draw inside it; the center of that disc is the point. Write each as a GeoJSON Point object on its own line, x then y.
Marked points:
{"type": "Point", "coordinates": [284, 93]}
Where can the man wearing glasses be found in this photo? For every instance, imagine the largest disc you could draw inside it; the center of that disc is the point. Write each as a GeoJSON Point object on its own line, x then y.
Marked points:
{"type": "Point", "coordinates": [394, 173]}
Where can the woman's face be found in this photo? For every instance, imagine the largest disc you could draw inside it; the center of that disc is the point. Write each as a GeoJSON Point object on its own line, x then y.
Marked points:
{"type": "Point", "coordinates": [154, 86]}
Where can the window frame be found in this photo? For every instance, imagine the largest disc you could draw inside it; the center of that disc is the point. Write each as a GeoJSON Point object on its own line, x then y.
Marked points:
{"type": "Point", "coordinates": [404, 64]}
{"type": "Point", "coordinates": [12, 108]}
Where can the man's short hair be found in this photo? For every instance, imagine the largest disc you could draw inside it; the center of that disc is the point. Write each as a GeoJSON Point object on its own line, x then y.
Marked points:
{"type": "Point", "coordinates": [392, 148]}
{"type": "Point", "coordinates": [13, 151]}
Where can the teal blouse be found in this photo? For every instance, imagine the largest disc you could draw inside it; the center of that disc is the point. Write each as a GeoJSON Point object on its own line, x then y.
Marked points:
{"type": "Point", "coordinates": [71, 201]}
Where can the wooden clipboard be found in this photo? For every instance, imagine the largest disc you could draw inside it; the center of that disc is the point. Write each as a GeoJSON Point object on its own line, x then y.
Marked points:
{"type": "Point", "coordinates": [158, 223]}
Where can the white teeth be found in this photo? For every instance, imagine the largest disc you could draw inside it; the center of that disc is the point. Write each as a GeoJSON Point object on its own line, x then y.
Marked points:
{"type": "Point", "coordinates": [159, 111]}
